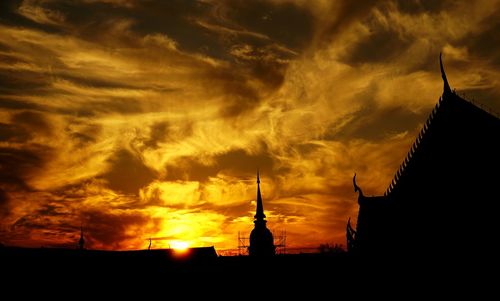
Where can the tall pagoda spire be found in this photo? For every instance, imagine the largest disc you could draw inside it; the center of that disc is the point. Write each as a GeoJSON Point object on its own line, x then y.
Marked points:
{"type": "Point", "coordinates": [261, 239]}
{"type": "Point", "coordinates": [259, 213]}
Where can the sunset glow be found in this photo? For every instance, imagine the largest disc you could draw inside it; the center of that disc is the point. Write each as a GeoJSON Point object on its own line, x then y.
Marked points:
{"type": "Point", "coordinates": [180, 246]}
{"type": "Point", "coordinates": [149, 119]}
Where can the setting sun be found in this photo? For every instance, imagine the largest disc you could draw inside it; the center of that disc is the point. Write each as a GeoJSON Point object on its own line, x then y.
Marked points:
{"type": "Point", "coordinates": [179, 245]}
{"type": "Point", "coordinates": [149, 119]}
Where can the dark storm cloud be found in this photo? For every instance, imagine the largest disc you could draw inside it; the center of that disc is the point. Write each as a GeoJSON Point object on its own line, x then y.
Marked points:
{"type": "Point", "coordinates": [175, 19]}
{"type": "Point", "coordinates": [17, 165]}
{"type": "Point", "coordinates": [110, 229]}
{"type": "Point", "coordinates": [51, 219]}
{"type": "Point", "coordinates": [13, 133]}
{"type": "Point", "coordinates": [86, 133]}
{"type": "Point", "coordinates": [93, 82]}
{"type": "Point", "coordinates": [179, 20]}
{"type": "Point", "coordinates": [159, 132]}
{"type": "Point", "coordinates": [19, 82]}
{"type": "Point", "coordinates": [485, 44]}
{"type": "Point", "coordinates": [128, 27]}
{"type": "Point", "coordinates": [231, 211]}
{"type": "Point", "coordinates": [190, 169]}
{"type": "Point", "coordinates": [267, 63]}
{"type": "Point", "coordinates": [53, 209]}
{"type": "Point", "coordinates": [385, 43]}
{"type": "Point", "coordinates": [29, 223]}
{"type": "Point", "coordinates": [186, 24]}
{"type": "Point", "coordinates": [9, 14]}
{"type": "Point", "coordinates": [236, 163]}
{"type": "Point", "coordinates": [100, 229]}
{"type": "Point", "coordinates": [423, 6]}
{"type": "Point", "coordinates": [15, 104]}
{"type": "Point", "coordinates": [10, 58]}
{"type": "Point", "coordinates": [342, 14]}
{"type": "Point", "coordinates": [239, 96]}
{"type": "Point", "coordinates": [163, 131]}
{"type": "Point", "coordinates": [240, 161]}
{"type": "Point", "coordinates": [272, 20]}
{"type": "Point", "coordinates": [90, 21]}
{"type": "Point", "coordinates": [116, 105]}
{"type": "Point", "coordinates": [34, 122]}
{"type": "Point", "coordinates": [381, 46]}
{"type": "Point", "coordinates": [127, 173]}
{"type": "Point", "coordinates": [4, 200]}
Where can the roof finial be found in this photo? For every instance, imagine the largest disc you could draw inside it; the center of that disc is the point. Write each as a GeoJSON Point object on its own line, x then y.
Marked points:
{"type": "Point", "coordinates": [81, 242]}
{"type": "Point", "coordinates": [259, 213]}
{"type": "Point", "coordinates": [446, 89]}
{"type": "Point", "coordinates": [356, 187]}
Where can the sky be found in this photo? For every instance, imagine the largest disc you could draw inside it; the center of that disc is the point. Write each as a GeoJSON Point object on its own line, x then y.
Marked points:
{"type": "Point", "coordinates": [141, 119]}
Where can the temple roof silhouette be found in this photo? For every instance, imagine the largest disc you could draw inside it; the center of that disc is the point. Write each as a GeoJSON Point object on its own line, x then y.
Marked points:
{"type": "Point", "coordinates": [441, 191]}
{"type": "Point", "coordinates": [452, 122]}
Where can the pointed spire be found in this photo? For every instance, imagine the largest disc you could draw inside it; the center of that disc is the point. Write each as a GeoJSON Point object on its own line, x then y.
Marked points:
{"type": "Point", "coordinates": [446, 89]}
{"type": "Point", "coordinates": [81, 242]}
{"type": "Point", "coordinates": [259, 214]}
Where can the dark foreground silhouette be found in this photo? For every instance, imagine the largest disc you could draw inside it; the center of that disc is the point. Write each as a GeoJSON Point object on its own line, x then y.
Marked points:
{"type": "Point", "coordinates": [261, 239]}
{"type": "Point", "coordinates": [440, 202]}
{"type": "Point", "coordinates": [202, 265]}
{"type": "Point", "coordinates": [154, 267]}
{"type": "Point", "coordinates": [435, 230]}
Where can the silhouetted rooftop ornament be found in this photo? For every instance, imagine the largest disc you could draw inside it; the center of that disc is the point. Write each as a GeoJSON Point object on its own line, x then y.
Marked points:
{"type": "Point", "coordinates": [356, 187]}
{"type": "Point", "coordinates": [446, 88]}
{"type": "Point", "coordinates": [259, 213]}
{"type": "Point", "coordinates": [351, 236]}
{"type": "Point", "coordinates": [81, 242]}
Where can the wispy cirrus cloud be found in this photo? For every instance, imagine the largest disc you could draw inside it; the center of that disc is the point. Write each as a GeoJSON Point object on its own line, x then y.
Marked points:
{"type": "Point", "coordinates": [149, 118]}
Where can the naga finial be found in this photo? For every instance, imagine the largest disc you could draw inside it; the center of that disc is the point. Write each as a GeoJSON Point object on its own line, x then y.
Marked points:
{"type": "Point", "coordinates": [356, 187]}
{"type": "Point", "coordinates": [349, 227]}
{"type": "Point", "coordinates": [446, 89]}
{"type": "Point", "coordinates": [351, 236]}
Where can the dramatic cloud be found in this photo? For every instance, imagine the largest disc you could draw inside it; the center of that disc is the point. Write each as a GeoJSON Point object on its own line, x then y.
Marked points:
{"type": "Point", "coordinates": [149, 119]}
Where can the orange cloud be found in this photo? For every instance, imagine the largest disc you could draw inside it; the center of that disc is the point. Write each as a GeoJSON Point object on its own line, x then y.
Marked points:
{"type": "Point", "coordinates": [149, 121]}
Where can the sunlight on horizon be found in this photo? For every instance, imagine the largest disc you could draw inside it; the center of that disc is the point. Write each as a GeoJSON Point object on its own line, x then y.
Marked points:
{"type": "Point", "coordinates": [178, 245]}
{"type": "Point", "coordinates": [142, 123]}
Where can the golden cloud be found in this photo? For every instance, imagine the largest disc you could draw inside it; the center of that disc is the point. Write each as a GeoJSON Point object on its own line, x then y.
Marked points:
{"type": "Point", "coordinates": [150, 120]}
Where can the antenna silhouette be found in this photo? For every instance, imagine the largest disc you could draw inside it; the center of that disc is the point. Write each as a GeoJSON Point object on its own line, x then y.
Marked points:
{"type": "Point", "coordinates": [81, 242]}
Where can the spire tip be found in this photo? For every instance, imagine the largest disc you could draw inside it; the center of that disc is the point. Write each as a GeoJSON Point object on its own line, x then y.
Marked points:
{"type": "Point", "coordinates": [446, 88]}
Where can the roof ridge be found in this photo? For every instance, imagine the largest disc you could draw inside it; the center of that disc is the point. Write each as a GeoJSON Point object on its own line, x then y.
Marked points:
{"type": "Point", "coordinates": [478, 105]}
{"type": "Point", "coordinates": [415, 146]}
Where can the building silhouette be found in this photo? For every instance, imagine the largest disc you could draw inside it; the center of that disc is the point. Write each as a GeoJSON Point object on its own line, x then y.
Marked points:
{"type": "Point", "coordinates": [261, 239]}
{"type": "Point", "coordinates": [440, 199]}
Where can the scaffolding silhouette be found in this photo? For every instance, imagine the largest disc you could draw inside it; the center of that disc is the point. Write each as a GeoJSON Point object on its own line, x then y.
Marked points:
{"type": "Point", "coordinates": [279, 240]}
